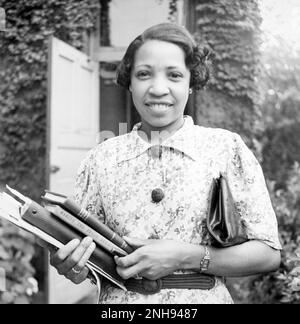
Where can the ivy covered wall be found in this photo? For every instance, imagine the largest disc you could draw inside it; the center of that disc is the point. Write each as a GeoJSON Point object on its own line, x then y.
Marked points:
{"type": "Point", "coordinates": [23, 87]}
{"type": "Point", "coordinates": [23, 102]}
{"type": "Point", "coordinates": [231, 28]}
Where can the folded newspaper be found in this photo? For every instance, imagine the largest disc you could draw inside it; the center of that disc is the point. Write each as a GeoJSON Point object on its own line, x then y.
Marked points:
{"type": "Point", "coordinates": [14, 205]}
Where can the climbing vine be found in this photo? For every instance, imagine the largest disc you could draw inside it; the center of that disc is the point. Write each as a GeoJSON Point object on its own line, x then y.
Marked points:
{"type": "Point", "coordinates": [105, 23]}
{"type": "Point", "coordinates": [231, 28]}
{"type": "Point", "coordinates": [173, 9]}
{"type": "Point", "coordinates": [232, 32]}
{"type": "Point", "coordinates": [23, 102]}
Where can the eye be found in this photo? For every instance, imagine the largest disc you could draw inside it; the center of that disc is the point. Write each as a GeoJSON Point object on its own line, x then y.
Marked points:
{"type": "Point", "coordinates": [176, 75]}
{"type": "Point", "coordinates": [142, 75]}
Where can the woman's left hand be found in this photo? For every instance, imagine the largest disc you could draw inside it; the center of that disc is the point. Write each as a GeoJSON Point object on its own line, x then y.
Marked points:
{"type": "Point", "coordinates": [152, 259]}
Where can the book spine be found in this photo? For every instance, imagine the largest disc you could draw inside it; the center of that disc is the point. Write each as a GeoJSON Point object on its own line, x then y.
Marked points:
{"type": "Point", "coordinates": [86, 230]}
{"type": "Point", "coordinates": [41, 218]}
{"type": "Point", "coordinates": [97, 225]}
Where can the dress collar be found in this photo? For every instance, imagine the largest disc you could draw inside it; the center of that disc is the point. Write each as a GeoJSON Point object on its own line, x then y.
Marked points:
{"type": "Point", "coordinates": [182, 140]}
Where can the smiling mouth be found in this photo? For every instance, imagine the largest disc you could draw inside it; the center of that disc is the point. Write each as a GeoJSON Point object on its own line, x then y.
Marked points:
{"type": "Point", "coordinates": [159, 106]}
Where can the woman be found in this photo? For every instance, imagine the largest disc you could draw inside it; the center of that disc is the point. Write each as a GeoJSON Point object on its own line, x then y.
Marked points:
{"type": "Point", "coordinates": [152, 185]}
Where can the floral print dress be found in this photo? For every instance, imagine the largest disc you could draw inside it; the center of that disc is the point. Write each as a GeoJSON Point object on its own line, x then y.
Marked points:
{"type": "Point", "coordinates": [116, 179]}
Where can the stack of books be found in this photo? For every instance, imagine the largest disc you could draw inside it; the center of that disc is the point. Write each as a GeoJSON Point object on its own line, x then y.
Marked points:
{"type": "Point", "coordinates": [61, 220]}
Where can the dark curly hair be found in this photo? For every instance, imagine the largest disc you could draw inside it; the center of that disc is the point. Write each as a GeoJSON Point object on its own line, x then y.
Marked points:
{"type": "Point", "coordinates": [196, 57]}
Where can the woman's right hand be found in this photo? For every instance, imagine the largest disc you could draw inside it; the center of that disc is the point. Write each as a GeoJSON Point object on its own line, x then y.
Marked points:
{"type": "Point", "coordinates": [70, 260]}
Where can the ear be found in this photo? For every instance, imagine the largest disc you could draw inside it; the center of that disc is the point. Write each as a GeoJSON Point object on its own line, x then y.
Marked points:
{"type": "Point", "coordinates": [130, 88]}
{"type": "Point", "coordinates": [190, 91]}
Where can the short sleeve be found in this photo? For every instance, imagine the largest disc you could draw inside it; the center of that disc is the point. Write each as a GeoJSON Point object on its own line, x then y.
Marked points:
{"type": "Point", "coordinates": [87, 187]}
{"type": "Point", "coordinates": [250, 193]}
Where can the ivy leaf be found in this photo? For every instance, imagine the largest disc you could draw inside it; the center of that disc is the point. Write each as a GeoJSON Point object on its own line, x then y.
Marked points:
{"type": "Point", "coordinates": [281, 277]}
{"type": "Point", "coordinates": [7, 297]}
{"type": "Point", "coordinates": [295, 271]}
{"type": "Point", "coordinates": [7, 266]}
{"type": "Point", "coordinates": [4, 255]}
{"type": "Point", "coordinates": [295, 285]}
{"type": "Point", "coordinates": [286, 300]}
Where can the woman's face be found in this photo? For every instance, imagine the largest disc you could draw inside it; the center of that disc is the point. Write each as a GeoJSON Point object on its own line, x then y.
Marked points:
{"type": "Point", "coordinates": [160, 83]}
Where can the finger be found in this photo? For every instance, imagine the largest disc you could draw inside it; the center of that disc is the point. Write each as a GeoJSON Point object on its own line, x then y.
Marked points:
{"type": "Point", "coordinates": [136, 242]}
{"type": "Point", "coordinates": [81, 266]}
{"type": "Point", "coordinates": [86, 256]}
{"type": "Point", "coordinates": [75, 257]}
{"type": "Point", "coordinates": [82, 277]}
{"type": "Point", "coordinates": [130, 272]}
{"type": "Point", "coordinates": [129, 260]}
{"type": "Point", "coordinates": [78, 278]}
{"type": "Point", "coordinates": [64, 252]}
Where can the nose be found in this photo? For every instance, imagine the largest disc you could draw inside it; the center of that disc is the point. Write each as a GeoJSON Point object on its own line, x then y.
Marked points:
{"type": "Point", "coordinates": [159, 87]}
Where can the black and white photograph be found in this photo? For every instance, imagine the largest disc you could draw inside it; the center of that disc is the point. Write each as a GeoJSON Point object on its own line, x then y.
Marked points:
{"type": "Point", "coordinates": [149, 154]}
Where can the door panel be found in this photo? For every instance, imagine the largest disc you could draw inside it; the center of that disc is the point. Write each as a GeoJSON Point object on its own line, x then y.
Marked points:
{"type": "Point", "coordinates": [73, 119]}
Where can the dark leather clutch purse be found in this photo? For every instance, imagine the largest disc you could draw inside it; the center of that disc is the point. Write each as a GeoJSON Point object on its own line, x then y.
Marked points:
{"type": "Point", "coordinates": [223, 221]}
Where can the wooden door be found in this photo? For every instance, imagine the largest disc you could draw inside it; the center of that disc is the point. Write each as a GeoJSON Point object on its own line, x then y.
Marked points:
{"type": "Point", "coordinates": [73, 127]}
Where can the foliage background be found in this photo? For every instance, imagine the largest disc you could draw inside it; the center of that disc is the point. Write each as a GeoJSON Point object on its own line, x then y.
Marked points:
{"type": "Point", "coordinates": [279, 147]}
{"type": "Point", "coordinates": [231, 28]}
{"type": "Point", "coordinates": [23, 102]}
{"type": "Point", "coordinates": [281, 154]}
{"type": "Point", "coordinates": [255, 91]}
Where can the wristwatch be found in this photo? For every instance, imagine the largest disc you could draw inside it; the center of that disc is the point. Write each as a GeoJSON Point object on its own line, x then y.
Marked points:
{"type": "Point", "coordinates": [205, 261]}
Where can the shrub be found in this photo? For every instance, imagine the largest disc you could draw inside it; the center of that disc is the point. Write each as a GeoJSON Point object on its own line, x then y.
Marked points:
{"type": "Point", "coordinates": [282, 286]}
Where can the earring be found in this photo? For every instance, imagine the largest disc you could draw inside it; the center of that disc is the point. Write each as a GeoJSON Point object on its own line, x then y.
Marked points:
{"type": "Point", "coordinates": [190, 91]}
